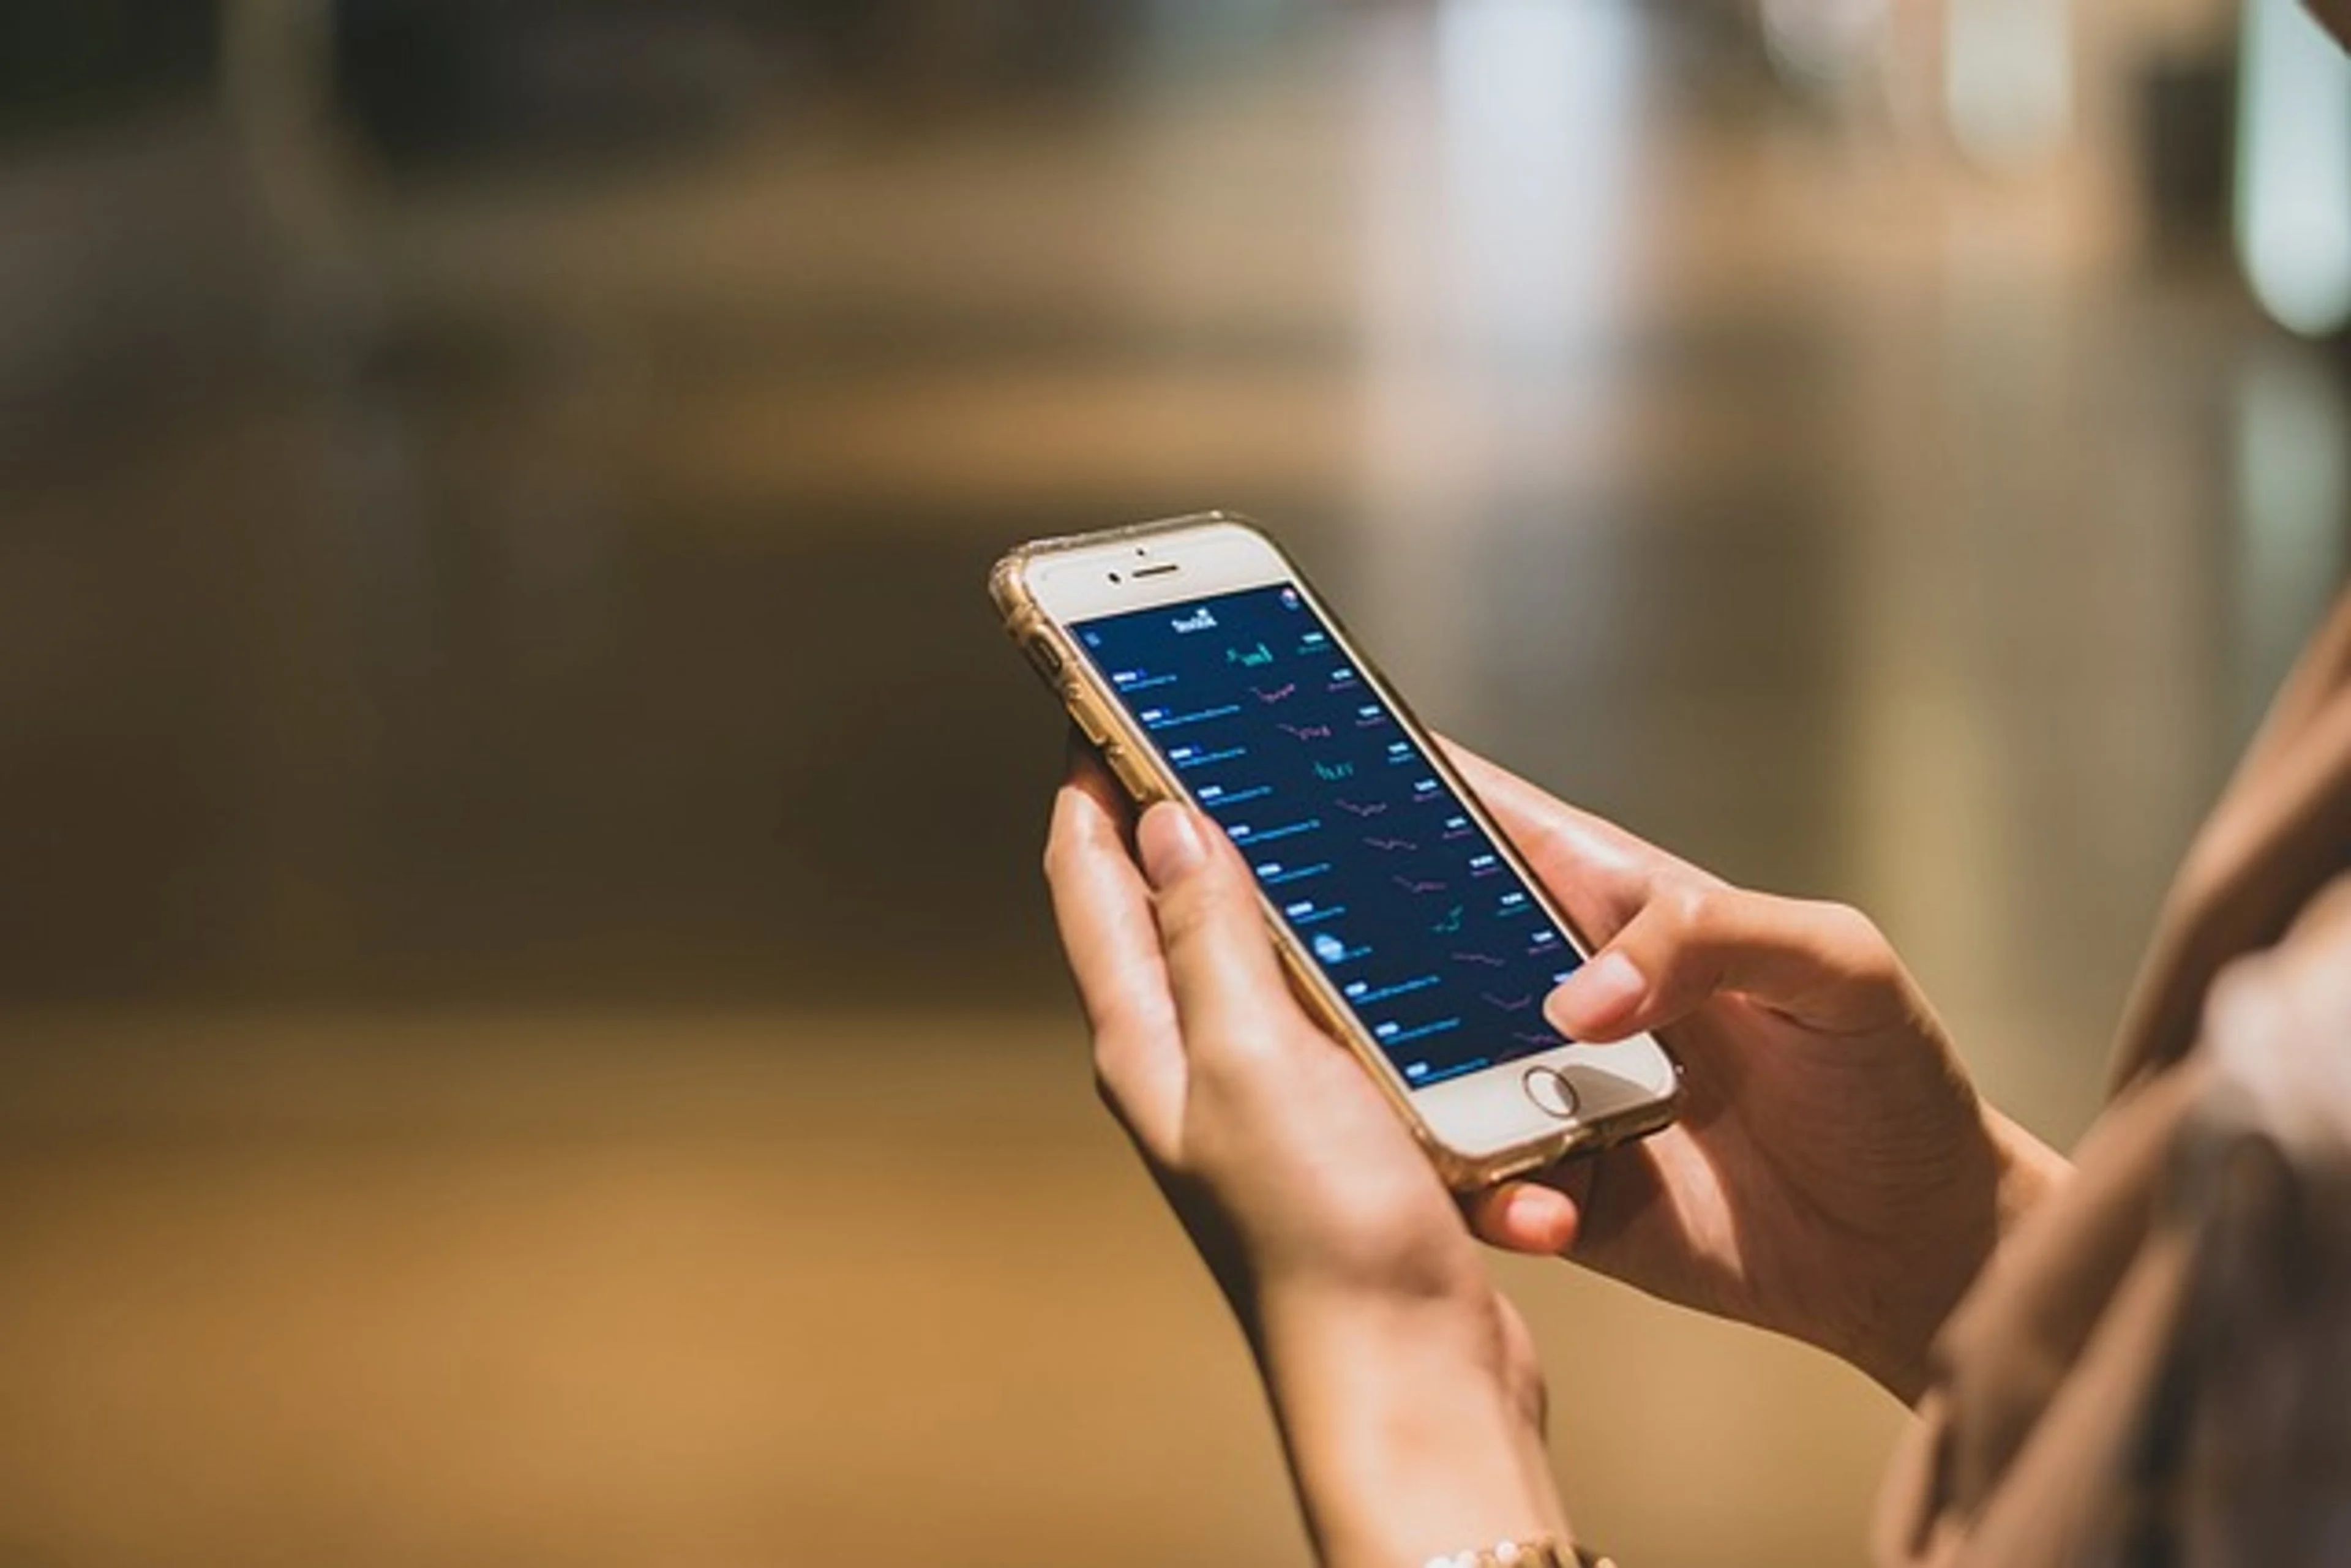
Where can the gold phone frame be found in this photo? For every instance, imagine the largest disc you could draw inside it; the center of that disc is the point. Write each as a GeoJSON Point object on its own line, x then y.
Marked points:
{"type": "Point", "coordinates": [1147, 777]}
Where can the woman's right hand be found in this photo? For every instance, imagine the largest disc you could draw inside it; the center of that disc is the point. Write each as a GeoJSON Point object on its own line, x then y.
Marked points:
{"type": "Point", "coordinates": [1832, 1175]}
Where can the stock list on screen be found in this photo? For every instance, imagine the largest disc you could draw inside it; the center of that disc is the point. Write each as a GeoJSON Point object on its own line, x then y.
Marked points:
{"type": "Point", "coordinates": [1401, 898]}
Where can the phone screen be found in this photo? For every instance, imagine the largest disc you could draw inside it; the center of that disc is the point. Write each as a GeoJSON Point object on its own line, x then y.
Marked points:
{"type": "Point", "coordinates": [1386, 879]}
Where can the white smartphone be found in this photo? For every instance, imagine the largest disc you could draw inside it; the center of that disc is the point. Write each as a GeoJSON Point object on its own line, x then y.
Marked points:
{"type": "Point", "coordinates": [1203, 667]}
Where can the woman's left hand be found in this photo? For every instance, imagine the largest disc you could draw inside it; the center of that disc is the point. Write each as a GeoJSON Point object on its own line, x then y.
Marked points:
{"type": "Point", "coordinates": [1407, 1389]}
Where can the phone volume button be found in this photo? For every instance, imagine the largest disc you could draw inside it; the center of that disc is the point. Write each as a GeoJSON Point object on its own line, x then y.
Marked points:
{"type": "Point", "coordinates": [1041, 653]}
{"type": "Point", "coordinates": [1122, 764]}
{"type": "Point", "coordinates": [1081, 709]}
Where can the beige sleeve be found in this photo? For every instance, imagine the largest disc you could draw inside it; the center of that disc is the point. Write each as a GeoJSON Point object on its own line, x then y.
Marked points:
{"type": "Point", "coordinates": [2159, 1368]}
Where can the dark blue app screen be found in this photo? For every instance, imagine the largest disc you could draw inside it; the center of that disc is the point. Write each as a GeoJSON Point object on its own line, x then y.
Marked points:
{"type": "Point", "coordinates": [1399, 894]}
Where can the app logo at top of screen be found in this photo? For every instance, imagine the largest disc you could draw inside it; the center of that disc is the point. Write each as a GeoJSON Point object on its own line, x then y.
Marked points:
{"type": "Point", "coordinates": [1200, 620]}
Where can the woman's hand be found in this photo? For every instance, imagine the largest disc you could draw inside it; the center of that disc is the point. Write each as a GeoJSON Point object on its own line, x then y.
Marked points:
{"type": "Point", "coordinates": [1832, 1175]}
{"type": "Point", "coordinates": [1406, 1388]}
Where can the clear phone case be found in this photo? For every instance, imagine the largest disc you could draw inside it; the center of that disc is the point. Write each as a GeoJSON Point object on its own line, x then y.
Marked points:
{"type": "Point", "coordinates": [1146, 779]}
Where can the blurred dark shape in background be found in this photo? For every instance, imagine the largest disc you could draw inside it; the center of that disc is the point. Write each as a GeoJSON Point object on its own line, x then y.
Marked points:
{"type": "Point", "coordinates": [421, 80]}
{"type": "Point", "coordinates": [451, 81]}
{"type": "Point", "coordinates": [531, 1023]}
{"type": "Point", "coordinates": [66, 64]}
{"type": "Point", "coordinates": [2187, 105]}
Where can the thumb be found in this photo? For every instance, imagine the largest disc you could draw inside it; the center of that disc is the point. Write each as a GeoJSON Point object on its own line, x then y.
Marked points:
{"type": "Point", "coordinates": [1220, 960]}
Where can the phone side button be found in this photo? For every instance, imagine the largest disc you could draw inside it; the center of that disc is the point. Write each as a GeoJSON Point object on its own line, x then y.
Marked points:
{"type": "Point", "coordinates": [1548, 1087]}
{"type": "Point", "coordinates": [1043, 654]}
{"type": "Point", "coordinates": [1122, 765]}
{"type": "Point", "coordinates": [1082, 712]}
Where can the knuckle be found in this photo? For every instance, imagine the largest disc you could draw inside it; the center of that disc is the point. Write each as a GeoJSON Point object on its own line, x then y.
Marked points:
{"type": "Point", "coordinates": [1860, 948]}
{"type": "Point", "coordinates": [1107, 1018]}
{"type": "Point", "coordinates": [1548, 836]}
{"type": "Point", "coordinates": [1122, 1113]}
{"type": "Point", "coordinates": [1542, 836]}
{"type": "Point", "coordinates": [1850, 928]}
{"type": "Point", "coordinates": [1108, 1046]}
{"type": "Point", "coordinates": [1253, 1052]}
{"type": "Point", "coordinates": [1191, 913]}
{"type": "Point", "coordinates": [1182, 921]}
{"type": "Point", "coordinates": [1106, 1088]}
{"type": "Point", "coordinates": [1234, 1060]}
{"type": "Point", "coordinates": [1692, 908]}
{"type": "Point", "coordinates": [1241, 1071]}
{"type": "Point", "coordinates": [1852, 924]}
{"type": "Point", "coordinates": [1055, 857]}
{"type": "Point", "coordinates": [1113, 1067]}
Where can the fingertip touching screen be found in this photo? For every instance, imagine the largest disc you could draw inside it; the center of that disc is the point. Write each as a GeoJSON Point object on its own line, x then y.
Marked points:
{"type": "Point", "coordinates": [1384, 877]}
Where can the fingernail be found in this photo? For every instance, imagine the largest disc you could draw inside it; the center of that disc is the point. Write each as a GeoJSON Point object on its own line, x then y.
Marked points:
{"type": "Point", "coordinates": [1169, 841]}
{"type": "Point", "coordinates": [1596, 995]}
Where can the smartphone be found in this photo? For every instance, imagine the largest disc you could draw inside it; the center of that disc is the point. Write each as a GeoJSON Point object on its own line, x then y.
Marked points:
{"type": "Point", "coordinates": [1203, 667]}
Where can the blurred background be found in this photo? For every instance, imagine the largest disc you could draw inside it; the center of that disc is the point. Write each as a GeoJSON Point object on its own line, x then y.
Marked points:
{"type": "Point", "coordinates": [529, 1029]}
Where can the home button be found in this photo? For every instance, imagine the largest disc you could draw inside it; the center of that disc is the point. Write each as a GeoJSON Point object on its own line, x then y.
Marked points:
{"type": "Point", "coordinates": [1548, 1087]}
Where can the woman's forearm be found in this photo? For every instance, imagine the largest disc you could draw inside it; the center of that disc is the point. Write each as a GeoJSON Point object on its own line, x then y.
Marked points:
{"type": "Point", "coordinates": [1413, 1429]}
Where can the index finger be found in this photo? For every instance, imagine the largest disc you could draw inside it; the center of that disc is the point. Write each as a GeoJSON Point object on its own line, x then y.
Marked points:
{"type": "Point", "coordinates": [1111, 940]}
{"type": "Point", "coordinates": [1599, 873]}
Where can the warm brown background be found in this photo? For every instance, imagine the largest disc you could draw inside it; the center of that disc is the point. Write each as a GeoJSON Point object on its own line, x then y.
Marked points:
{"type": "Point", "coordinates": [527, 1026]}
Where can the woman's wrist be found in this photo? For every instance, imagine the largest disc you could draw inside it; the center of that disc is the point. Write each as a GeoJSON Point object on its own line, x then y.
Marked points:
{"type": "Point", "coordinates": [1886, 1323]}
{"type": "Point", "coordinates": [2024, 1172]}
{"type": "Point", "coordinates": [1414, 1427]}
{"type": "Point", "coordinates": [2029, 1170]}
